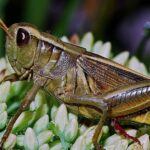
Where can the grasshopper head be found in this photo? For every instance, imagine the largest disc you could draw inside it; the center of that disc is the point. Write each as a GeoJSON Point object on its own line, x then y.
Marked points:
{"type": "Point", "coordinates": [21, 46]}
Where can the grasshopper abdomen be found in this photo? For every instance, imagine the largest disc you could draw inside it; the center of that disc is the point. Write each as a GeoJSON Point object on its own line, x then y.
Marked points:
{"type": "Point", "coordinates": [128, 101]}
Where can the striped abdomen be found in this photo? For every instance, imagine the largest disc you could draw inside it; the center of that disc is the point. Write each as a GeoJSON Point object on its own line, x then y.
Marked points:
{"type": "Point", "coordinates": [128, 101]}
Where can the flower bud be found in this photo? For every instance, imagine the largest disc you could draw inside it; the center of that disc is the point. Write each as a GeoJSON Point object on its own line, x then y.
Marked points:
{"type": "Point", "coordinates": [39, 100]}
{"type": "Point", "coordinates": [20, 140]}
{"type": "Point", "coordinates": [131, 132]}
{"type": "Point", "coordinates": [122, 144]}
{"type": "Point", "coordinates": [97, 47]}
{"type": "Point", "coordinates": [122, 57]}
{"type": "Point", "coordinates": [85, 140]}
{"type": "Point", "coordinates": [3, 119]}
{"type": "Point", "coordinates": [87, 41]}
{"type": "Point", "coordinates": [10, 142]}
{"type": "Point", "coordinates": [61, 118]}
{"type": "Point", "coordinates": [4, 91]}
{"type": "Point", "coordinates": [53, 112]}
{"type": "Point", "coordinates": [56, 146]}
{"type": "Point", "coordinates": [88, 135]}
{"type": "Point", "coordinates": [45, 137]}
{"type": "Point", "coordinates": [82, 129]}
{"type": "Point", "coordinates": [79, 144]}
{"type": "Point", "coordinates": [136, 65]}
{"type": "Point", "coordinates": [144, 140]}
{"type": "Point", "coordinates": [65, 39]}
{"type": "Point", "coordinates": [71, 130]}
{"type": "Point", "coordinates": [30, 140]}
{"type": "Point", "coordinates": [3, 107]}
{"type": "Point", "coordinates": [41, 124]}
{"type": "Point", "coordinates": [72, 116]}
{"type": "Point", "coordinates": [112, 140]}
{"type": "Point", "coordinates": [105, 50]}
{"type": "Point", "coordinates": [44, 147]}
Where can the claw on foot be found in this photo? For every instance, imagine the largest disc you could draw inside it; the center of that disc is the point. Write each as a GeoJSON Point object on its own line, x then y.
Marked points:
{"type": "Point", "coordinates": [98, 146]}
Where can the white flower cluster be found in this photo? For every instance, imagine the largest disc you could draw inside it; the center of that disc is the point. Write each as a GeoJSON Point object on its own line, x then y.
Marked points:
{"type": "Point", "coordinates": [45, 127]}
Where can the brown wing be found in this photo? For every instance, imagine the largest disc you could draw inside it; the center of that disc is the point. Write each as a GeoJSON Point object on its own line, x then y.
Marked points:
{"type": "Point", "coordinates": [107, 74]}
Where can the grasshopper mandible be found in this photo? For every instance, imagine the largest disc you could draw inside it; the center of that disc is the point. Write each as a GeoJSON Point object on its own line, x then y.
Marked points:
{"type": "Point", "coordinates": [88, 84]}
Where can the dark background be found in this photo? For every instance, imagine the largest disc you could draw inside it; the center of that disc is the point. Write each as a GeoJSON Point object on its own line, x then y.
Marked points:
{"type": "Point", "coordinates": [123, 22]}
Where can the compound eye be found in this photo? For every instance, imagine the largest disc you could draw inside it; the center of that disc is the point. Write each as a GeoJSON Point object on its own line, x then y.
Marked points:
{"type": "Point", "coordinates": [23, 37]}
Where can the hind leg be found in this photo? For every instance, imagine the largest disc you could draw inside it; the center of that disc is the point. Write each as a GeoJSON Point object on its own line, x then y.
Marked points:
{"type": "Point", "coordinates": [95, 103]}
{"type": "Point", "coordinates": [98, 131]}
{"type": "Point", "coordinates": [118, 128]}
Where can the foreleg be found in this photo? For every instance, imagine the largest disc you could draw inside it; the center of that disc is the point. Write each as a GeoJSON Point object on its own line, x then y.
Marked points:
{"type": "Point", "coordinates": [25, 103]}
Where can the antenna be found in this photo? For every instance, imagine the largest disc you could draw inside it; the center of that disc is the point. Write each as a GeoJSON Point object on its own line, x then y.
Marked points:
{"type": "Point", "coordinates": [5, 28]}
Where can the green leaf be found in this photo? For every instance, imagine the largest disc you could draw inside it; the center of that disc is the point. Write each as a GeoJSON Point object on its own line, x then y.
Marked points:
{"type": "Point", "coordinates": [23, 121]}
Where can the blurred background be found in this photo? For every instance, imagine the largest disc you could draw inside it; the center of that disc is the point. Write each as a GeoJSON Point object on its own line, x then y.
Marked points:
{"type": "Point", "coordinates": [125, 23]}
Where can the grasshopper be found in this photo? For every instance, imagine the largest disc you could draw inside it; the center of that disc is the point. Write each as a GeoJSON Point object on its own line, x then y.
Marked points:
{"type": "Point", "coordinates": [88, 84]}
